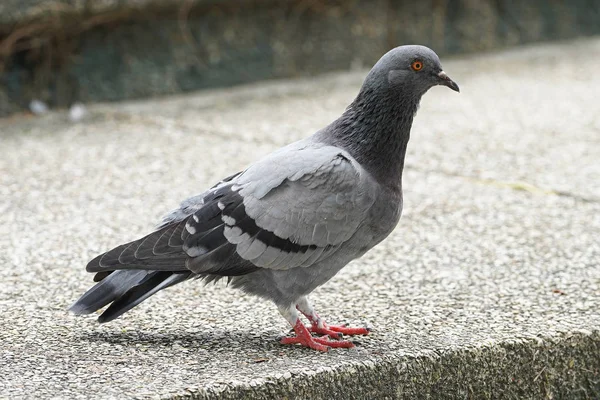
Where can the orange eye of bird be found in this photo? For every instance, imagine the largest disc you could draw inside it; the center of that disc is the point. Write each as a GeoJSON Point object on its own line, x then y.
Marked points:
{"type": "Point", "coordinates": [417, 65]}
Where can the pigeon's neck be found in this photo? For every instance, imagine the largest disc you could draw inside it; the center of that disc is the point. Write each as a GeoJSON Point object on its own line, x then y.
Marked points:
{"type": "Point", "coordinates": [375, 130]}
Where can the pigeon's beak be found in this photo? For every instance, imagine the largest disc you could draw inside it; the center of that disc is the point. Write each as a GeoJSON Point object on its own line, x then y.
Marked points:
{"type": "Point", "coordinates": [446, 81]}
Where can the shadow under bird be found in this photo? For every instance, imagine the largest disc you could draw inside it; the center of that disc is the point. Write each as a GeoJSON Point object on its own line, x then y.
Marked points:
{"type": "Point", "coordinates": [289, 222]}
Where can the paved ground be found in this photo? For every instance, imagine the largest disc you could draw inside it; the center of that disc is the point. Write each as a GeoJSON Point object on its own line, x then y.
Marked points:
{"type": "Point", "coordinates": [489, 287]}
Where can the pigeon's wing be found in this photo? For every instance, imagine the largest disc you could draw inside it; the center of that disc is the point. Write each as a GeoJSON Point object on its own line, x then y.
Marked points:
{"type": "Point", "coordinates": [291, 209]}
{"type": "Point", "coordinates": [168, 247]}
{"type": "Point", "coordinates": [193, 204]}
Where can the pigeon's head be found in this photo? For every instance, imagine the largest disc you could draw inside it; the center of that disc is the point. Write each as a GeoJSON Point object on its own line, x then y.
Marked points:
{"type": "Point", "coordinates": [409, 70]}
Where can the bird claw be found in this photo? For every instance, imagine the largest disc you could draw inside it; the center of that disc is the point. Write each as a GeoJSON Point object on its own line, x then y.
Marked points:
{"type": "Point", "coordinates": [337, 331]}
{"type": "Point", "coordinates": [310, 343]}
{"type": "Point", "coordinates": [322, 343]}
{"type": "Point", "coordinates": [327, 331]}
{"type": "Point", "coordinates": [334, 343]}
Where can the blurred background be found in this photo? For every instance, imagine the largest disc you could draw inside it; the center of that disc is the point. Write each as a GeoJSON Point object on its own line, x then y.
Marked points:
{"type": "Point", "coordinates": [60, 52]}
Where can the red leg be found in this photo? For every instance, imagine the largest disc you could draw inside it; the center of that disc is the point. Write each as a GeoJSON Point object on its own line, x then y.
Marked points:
{"type": "Point", "coordinates": [304, 338]}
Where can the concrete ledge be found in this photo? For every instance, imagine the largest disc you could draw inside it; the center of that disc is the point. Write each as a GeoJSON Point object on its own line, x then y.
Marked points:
{"type": "Point", "coordinates": [64, 51]}
{"type": "Point", "coordinates": [566, 366]}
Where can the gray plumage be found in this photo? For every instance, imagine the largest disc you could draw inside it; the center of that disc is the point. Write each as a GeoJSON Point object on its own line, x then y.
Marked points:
{"type": "Point", "coordinates": [292, 220]}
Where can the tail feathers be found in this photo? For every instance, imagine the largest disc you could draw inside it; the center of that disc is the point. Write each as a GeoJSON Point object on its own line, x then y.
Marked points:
{"type": "Point", "coordinates": [125, 289]}
{"type": "Point", "coordinates": [155, 281]}
{"type": "Point", "coordinates": [107, 290]}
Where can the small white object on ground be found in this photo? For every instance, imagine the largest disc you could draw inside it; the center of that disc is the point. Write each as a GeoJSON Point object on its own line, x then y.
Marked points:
{"type": "Point", "coordinates": [38, 107]}
{"type": "Point", "coordinates": [77, 112]}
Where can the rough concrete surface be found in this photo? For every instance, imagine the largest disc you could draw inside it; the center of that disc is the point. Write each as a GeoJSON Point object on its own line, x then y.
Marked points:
{"type": "Point", "coordinates": [488, 288]}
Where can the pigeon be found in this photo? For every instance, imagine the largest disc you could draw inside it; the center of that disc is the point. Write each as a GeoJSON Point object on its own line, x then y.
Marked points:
{"type": "Point", "coordinates": [292, 220]}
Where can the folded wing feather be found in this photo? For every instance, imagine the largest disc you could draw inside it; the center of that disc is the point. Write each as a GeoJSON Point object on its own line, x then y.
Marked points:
{"type": "Point", "coordinates": [291, 209]}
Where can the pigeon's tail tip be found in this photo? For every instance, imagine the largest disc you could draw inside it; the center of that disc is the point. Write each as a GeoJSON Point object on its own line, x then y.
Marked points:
{"type": "Point", "coordinates": [82, 309]}
{"type": "Point", "coordinates": [78, 308]}
{"type": "Point", "coordinates": [102, 319]}
{"type": "Point", "coordinates": [123, 290]}
{"type": "Point", "coordinates": [107, 290]}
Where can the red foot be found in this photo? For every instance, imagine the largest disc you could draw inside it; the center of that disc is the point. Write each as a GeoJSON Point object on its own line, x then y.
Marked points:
{"type": "Point", "coordinates": [336, 331]}
{"type": "Point", "coordinates": [304, 338]}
